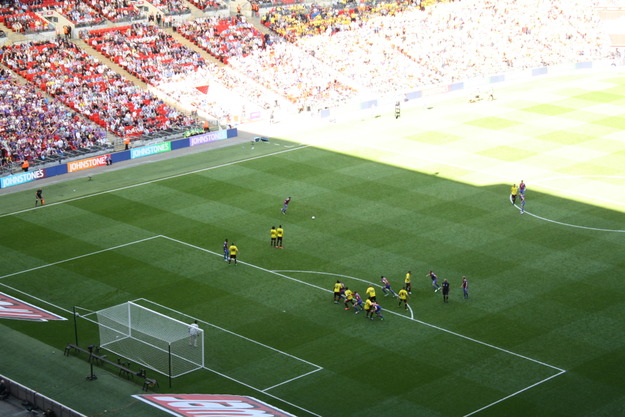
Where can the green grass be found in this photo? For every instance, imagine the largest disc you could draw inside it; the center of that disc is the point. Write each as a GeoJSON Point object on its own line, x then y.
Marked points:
{"type": "Point", "coordinates": [546, 296]}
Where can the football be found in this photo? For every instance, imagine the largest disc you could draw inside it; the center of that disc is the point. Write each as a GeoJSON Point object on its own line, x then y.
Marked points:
{"type": "Point", "coordinates": [313, 217]}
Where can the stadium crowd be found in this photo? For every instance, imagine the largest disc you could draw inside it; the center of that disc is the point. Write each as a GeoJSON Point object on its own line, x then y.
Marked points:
{"type": "Point", "coordinates": [145, 51]}
{"type": "Point", "coordinates": [326, 55]}
{"type": "Point", "coordinates": [397, 46]}
{"type": "Point", "coordinates": [85, 84]}
{"type": "Point", "coordinates": [33, 127]}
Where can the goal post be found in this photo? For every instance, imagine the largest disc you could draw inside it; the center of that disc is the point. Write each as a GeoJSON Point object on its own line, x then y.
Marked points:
{"type": "Point", "coordinates": [152, 339]}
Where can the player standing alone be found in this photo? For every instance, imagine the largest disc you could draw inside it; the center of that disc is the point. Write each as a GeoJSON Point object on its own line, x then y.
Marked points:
{"type": "Point", "coordinates": [285, 205]}
{"type": "Point", "coordinates": [39, 197]}
{"type": "Point", "coordinates": [465, 287]}
{"type": "Point", "coordinates": [408, 282]}
{"type": "Point", "coordinates": [194, 331]}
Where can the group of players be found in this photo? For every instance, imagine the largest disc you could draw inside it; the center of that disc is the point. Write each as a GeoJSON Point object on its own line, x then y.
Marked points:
{"type": "Point", "coordinates": [277, 235]}
{"type": "Point", "coordinates": [353, 300]}
{"type": "Point", "coordinates": [520, 191]}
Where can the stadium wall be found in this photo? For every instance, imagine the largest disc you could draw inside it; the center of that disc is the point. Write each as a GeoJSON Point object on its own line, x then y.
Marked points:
{"type": "Point", "coordinates": [32, 401]}
{"type": "Point", "coordinates": [101, 160]}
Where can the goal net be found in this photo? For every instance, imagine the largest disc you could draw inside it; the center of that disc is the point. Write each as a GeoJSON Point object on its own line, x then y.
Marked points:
{"type": "Point", "coordinates": [152, 339]}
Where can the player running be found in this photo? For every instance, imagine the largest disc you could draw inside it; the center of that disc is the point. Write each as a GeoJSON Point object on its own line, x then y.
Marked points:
{"type": "Point", "coordinates": [285, 205]}
{"type": "Point", "coordinates": [369, 309]}
{"type": "Point", "coordinates": [434, 278]}
{"type": "Point", "coordinates": [358, 303]}
{"type": "Point", "coordinates": [377, 309]}
{"type": "Point", "coordinates": [338, 290]}
{"type": "Point", "coordinates": [386, 287]}
{"type": "Point", "coordinates": [349, 298]}
{"type": "Point", "coordinates": [39, 197]}
{"type": "Point", "coordinates": [403, 298]}
{"type": "Point", "coordinates": [371, 293]}
{"type": "Point", "coordinates": [408, 282]}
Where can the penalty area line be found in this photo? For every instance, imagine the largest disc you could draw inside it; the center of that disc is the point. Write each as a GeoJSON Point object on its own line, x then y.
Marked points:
{"type": "Point", "coordinates": [435, 326]}
{"type": "Point", "coordinates": [261, 391]}
{"type": "Point", "coordinates": [514, 394]}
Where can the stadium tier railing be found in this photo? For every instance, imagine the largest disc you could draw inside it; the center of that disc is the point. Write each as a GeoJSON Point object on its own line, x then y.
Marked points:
{"type": "Point", "coordinates": [33, 402]}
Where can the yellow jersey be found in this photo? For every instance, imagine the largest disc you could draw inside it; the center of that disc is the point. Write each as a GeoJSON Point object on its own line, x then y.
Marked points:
{"type": "Point", "coordinates": [348, 294]}
{"type": "Point", "coordinates": [280, 232]}
{"type": "Point", "coordinates": [403, 294]}
{"type": "Point", "coordinates": [407, 279]}
{"type": "Point", "coordinates": [371, 292]}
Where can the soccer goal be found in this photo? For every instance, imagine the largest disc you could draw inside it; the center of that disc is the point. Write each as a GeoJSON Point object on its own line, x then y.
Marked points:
{"type": "Point", "coordinates": [152, 339]}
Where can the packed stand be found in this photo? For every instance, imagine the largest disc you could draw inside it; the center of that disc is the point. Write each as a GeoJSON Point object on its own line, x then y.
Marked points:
{"type": "Point", "coordinates": [209, 5]}
{"type": "Point", "coordinates": [35, 128]}
{"type": "Point", "coordinates": [398, 47]}
{"type": "Point", "coordinates": [21, 17]}
{"type": "Point", "coordinates": [80, 14]}
{"type": "Point", "coordinates": [117, 10]}
{"type": "Point", "coordinates": [223, 37]}
{"type": "Point", "coordinates": [302, 79]}
{"type": "Point", "coordinates": [171, 7]}
{"type": "Point", "coordinates": [145, 51]}
{"type": "Point", "coordinates": [91, 88]}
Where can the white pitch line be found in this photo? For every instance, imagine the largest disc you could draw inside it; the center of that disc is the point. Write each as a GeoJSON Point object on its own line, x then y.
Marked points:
{"type": "Point", "coordinates": [76, 257]}
{"type": "Point", "coordinates": [252, 158]}
{"type": "Point", "coordinates": [577, 226]}
{"type": "Point", "coordinates": [259, 390]}
{"type": "Point", "coordinates": [433, 325]}
{"type": "Point", "coordinates": [41, 300]}
{"type": "Point", "coordinates": [226, 330]}
{"type": "Point", "coordinates": [513, 394]}
{"type": "Point", "coordinates": [292, 379]}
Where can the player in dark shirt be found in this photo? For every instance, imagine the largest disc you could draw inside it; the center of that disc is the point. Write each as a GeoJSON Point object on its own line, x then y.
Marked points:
{"type": "Point", "coordinates": [445, 290]}
{"type": "Point", "coordinates": [39, 197]}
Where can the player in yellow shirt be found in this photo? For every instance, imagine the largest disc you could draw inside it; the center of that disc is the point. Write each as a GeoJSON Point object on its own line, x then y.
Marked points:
{"type": "Point", "coordinates": [513, 193]}
{"type": "Point", "coordinates": [280, 234]}
{"type": "Point", "coordinates": [403, 297]}
{"type": "Point", "coordinates": [349, 298]}
{"type": "Point", "coordinates": [408, 282]}
{"type": "Point", "coordinates": [369, 308]}
{"type": "Point", "coordinates": [274, 236]}
{"type": "Point", "coordinates": [371, 293]}
{"type": "Point", "coordinates": [338, 289]}
{"type": "Point", "coordinates": [234, 251]}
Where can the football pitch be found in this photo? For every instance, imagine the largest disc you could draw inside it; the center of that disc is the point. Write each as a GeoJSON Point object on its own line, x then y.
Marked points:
{"type": "Point", "coordinates": [541, 333]}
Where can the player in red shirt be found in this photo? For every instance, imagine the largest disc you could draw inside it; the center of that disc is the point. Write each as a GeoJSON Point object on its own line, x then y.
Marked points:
{"type": "Point", "coordinates": [285, 206]}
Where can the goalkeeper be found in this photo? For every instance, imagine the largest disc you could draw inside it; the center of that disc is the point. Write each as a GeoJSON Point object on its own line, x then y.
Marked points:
{"type": "Point", "coordinates": [194, 331]}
